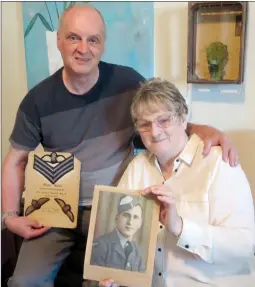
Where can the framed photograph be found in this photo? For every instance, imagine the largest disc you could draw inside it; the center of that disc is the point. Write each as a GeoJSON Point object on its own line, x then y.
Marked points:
{"type": "Point", "coordinates": [216, 42]}
{"type": "Point", "coordinates": [122, 237]}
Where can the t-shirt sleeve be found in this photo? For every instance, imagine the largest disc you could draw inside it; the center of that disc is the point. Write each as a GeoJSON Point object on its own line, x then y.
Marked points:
{"type": "Point", "coordinates": [26, 133]}
{"type": "Point", "coordinates": [137, 77]}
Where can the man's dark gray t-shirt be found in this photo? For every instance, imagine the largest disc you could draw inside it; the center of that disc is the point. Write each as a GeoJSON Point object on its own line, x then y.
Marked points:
{"type": "Point", "coordinates": [95, 127]}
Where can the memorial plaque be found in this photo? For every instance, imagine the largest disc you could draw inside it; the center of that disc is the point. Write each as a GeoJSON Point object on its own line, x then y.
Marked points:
{"type": "Point", "coordinates": [52, 182]}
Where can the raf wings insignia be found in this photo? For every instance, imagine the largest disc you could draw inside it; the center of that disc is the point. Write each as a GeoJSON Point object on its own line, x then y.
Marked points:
{"type": "Point", "coordinates": [35, 205]}
{"type": "Point", "coordinates": [66, 208]}
{"type": "Point", "coordinates": [53, 166]}
{"type": "Point", "coordinates": [53, 158]}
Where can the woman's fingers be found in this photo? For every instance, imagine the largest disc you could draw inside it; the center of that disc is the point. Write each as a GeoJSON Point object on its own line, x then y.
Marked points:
{"type": "Point", "coordinates": [157, 189]}
{"type": "Point", "coordinates": [161, 192]}
{"type": "Point", "coordinates": [107, 283]}
{"type": "Point", "coordinates": [150, 189]}
{"type": "Point", "coordinates": [166, 199]}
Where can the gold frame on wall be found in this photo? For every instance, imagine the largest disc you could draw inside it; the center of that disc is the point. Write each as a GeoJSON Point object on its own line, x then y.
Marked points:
{"type": "Point", "coordinates": [239, 32]}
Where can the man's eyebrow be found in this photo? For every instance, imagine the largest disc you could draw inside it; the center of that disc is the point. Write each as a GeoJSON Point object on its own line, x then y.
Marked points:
{"type": "Point", "coordinates": [95, 35]}
{"type": "Point", "coordinates": [73, 33]}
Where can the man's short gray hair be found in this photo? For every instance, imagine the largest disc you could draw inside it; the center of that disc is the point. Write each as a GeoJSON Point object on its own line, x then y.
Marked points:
{"type": "Point", "coordinates": [65, 12]}
{"type": "Point", "coordinates": [156, 93]}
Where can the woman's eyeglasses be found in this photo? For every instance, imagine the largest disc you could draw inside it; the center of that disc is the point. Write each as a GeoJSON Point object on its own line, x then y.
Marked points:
{"type": "Point", "coordinates": [163, 122]}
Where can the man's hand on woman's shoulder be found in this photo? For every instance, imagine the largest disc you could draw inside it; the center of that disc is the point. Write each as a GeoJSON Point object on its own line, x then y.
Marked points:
{"type": "Point", "coordinates": [213, 137]}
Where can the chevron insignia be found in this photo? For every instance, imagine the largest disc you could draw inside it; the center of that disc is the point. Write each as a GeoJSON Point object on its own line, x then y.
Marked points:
{"type": "Point", "coordinates": [53, 172]}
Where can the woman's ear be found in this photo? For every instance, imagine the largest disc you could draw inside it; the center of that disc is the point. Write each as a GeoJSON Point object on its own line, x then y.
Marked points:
{"type": "Point", "coordinates": [184, 121]}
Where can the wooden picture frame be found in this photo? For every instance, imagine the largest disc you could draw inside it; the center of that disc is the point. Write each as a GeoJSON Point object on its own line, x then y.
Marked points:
{"type": "Point", "coordinates": [238, 26]}
{"type": "Point", "coordinates": [106, 197]}
{"type": "Point", "coordinates": [199, 67]}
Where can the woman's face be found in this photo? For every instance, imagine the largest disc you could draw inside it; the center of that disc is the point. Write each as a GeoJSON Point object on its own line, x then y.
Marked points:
{"type": "Point", "coordinates": [162, 132]}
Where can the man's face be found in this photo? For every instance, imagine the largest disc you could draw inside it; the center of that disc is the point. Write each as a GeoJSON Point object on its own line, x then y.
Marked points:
{"type": "Point", "coordinates": [81, 41]}
{"type": "Point", "coordinates": [129, 221]}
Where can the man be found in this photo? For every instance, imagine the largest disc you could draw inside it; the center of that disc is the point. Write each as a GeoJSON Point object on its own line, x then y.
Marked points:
{"type": "Point", "coordinates": [117, 249]}
{"type": "Point", "coordinates": [74, 110]}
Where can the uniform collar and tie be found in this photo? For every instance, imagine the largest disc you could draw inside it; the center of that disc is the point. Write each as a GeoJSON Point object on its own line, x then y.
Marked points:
{"type": "Point", "coordinates": [123, 239]}
{"type": "Point", "coordinates": [125, 248]}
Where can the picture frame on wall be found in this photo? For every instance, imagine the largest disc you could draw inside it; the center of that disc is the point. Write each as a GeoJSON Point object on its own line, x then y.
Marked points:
{"type": "Point", "coordinates": [238, 26]}
{"type": "Point", "coordinates": [121, 240]}
{"type": "Point", "coordinates": [216, 42]}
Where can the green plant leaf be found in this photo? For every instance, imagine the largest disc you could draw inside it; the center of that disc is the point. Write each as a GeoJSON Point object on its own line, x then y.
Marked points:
{"type": "Point", "coordinates": [30, 25]}
{"type": "Point", "coordinates": [45, 22]}
{"type": "Point", "coordinates": [64, 5]}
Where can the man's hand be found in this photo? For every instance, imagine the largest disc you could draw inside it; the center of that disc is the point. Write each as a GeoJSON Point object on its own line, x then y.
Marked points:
{"type": "Point", "coordinates": [108, 283]}
{"type": "Point", "coordinates": [214, 137]}
{"type": "Point", "coordinates": [169, 216]}
{"type": "Point", "coordinates": [25, 227]}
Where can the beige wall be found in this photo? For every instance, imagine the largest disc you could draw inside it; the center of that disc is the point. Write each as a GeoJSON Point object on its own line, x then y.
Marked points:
{"type": "Point", "coordinates": [13, 68]}
{"type": "Point", "coordinates": [170, 62]}
{"type": "Point", "coordinates": [244, 140]}
{"type": "Point", "coordinates": [170, 55]}
{"type": "Point", "coordinates": [237, 119]}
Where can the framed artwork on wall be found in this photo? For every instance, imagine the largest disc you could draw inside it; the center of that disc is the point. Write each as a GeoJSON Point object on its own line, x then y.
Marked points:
{"type": "Point", "coordinates": [216, 42]}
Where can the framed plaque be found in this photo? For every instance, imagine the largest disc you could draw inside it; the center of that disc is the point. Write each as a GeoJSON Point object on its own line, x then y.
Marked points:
{"type": "Point", "coordinates": [216, 42]}
{"type": "Point", "coordinates": [122, 237]}
{"type": "Point", "coordinates": [52, 182]}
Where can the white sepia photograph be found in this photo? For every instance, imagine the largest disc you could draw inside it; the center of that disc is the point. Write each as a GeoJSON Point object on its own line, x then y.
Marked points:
{"type": "Point", "coordinates": [122, 231]}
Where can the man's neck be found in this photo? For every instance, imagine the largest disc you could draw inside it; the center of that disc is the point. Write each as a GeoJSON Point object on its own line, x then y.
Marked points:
{"type": "Point", "coordinates": [123, 239]}
{"type": "Point", "coordinates": [80, 85]}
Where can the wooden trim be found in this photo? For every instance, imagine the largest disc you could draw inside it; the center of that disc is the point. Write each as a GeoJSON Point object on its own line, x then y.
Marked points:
{"type": "Point", "coordinates": [192, 7]}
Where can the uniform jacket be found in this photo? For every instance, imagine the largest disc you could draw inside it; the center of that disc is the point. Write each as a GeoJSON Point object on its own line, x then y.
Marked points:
{"type": "Point", "coordinates": [107, 251]}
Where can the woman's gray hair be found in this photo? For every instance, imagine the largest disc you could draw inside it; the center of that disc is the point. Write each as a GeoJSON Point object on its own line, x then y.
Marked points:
{"type": "Point", "coordinates": [158, 93]}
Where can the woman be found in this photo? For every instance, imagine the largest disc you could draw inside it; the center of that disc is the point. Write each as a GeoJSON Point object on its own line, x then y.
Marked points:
{"type": "Point", "coordinates": [207, 237]}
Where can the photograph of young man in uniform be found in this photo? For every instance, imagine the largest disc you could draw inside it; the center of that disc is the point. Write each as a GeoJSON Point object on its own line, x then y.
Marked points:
{"type": "Point", "coordinates": [118, 248]}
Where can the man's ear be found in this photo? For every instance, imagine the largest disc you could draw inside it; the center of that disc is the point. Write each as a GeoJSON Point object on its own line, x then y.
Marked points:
{"type": "Point", "coordinates": [141, 223]}
{"type": "Point", "coordinates": [58, 41]}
